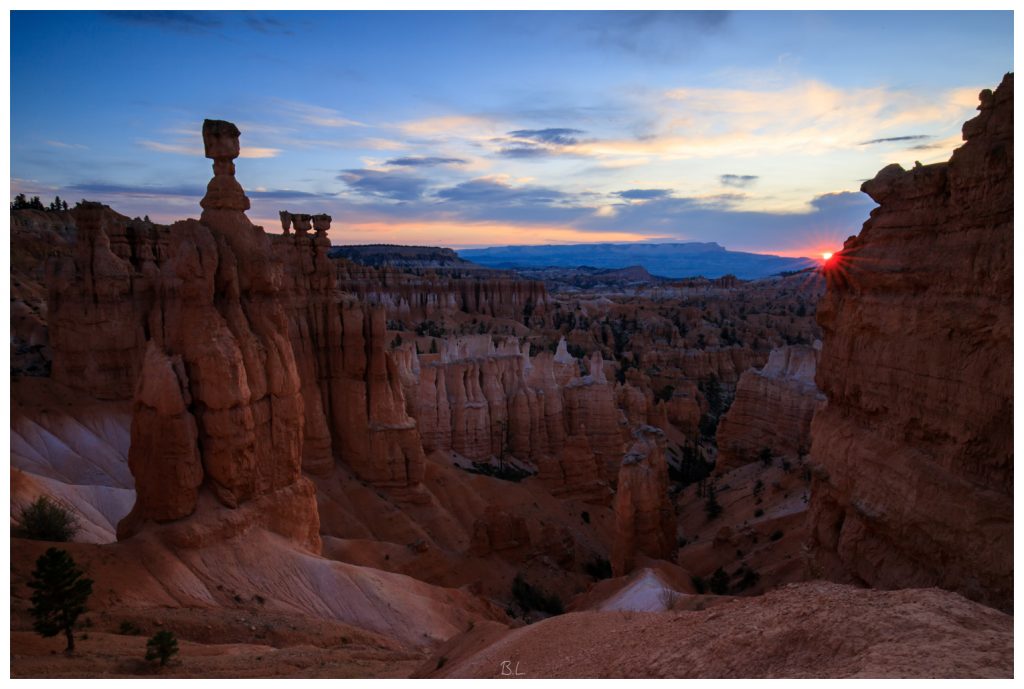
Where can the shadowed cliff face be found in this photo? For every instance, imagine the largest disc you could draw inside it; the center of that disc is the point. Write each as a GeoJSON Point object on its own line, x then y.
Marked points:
{"type": "Point", "coordinates": [914, 478]}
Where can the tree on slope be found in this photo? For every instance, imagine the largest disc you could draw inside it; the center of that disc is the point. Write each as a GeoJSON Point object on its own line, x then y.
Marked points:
{"type": "Point", "coordinates": [59, 595]}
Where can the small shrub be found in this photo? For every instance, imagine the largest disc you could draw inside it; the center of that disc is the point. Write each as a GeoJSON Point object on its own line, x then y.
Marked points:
{"type": "Point", "coordinates": [749, 577]}
{"type": "Point", "coordinates": [162, 646]}
{"type": "Point", "coordinates": [530, 597]}
{"type": "Point", "coordinates": [46, 519]}
{"type": "Point", "coordinates": [719, 583]}
{"type": "Point", "coordinates": [669, 599]}
{"type": "Point", "coordinates": [665, 393]}
{"type": "Point", "coordinates": [129, 628]}
{"type": "Point", "coordinates": [758, 512]}
{"type": "Point", "coordinates": [712, 508]}
{"type": "Point", "coordinates": [585, 516]}
{"type": "Point", "coordinates": [766, 457]}
{"type": "Point", "coordinates": [776, 535]}
{"type": "Point", "coordinates": [698, 584]}
{"type": "Point", "coordinates": [599, 568]}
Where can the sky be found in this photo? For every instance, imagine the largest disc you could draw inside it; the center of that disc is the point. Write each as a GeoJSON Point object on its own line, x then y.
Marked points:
{"type": "Point", "coordinates": [751, 129]}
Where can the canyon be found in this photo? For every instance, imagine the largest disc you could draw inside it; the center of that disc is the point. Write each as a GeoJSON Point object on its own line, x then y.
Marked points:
{"type": "Point", "coordinates": [391, 462]}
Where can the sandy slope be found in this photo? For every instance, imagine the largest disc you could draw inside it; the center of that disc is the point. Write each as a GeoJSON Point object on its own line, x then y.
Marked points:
{"type": "Point", "coordinates": [812, 629]}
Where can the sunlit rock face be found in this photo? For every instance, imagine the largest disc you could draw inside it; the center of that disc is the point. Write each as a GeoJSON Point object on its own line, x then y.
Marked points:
{"type": "Point", "coordinates": [914, 457]}
{"type": "Point", "coordinates": [772, 410]}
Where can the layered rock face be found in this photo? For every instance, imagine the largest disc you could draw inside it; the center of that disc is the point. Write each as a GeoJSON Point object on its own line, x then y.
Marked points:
{"type": "Point", "coordinates": [482, 400]}
{"type": "Point", "coordinates": [411, 298]}
{"type": "Point", "coordinates": [773, 409]}
{"type": "Point", "coordinates": [914, 485]}
{"type": "Point", "coordinates": [644, 519]}
{"type": "Point", "coordinates": [97, 300]}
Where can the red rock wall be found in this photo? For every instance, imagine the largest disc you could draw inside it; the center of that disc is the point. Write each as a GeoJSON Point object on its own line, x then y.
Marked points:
{"type": "Point", "coordinates": [914, 452]}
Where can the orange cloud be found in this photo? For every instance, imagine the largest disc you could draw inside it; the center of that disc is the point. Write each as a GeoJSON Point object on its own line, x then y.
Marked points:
{"type": "Point", "coordinates": [459, 235]}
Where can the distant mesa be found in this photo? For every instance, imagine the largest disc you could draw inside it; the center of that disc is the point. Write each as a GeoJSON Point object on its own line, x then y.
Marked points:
{"type": "Point", "coordinates": [671, 260]}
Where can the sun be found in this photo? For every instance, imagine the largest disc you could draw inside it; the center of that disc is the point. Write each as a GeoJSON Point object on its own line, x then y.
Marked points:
{"type": "Point", "coordinates": [826, 255]}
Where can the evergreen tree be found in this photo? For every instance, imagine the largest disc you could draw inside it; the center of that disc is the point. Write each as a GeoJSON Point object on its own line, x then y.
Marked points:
{"type": "Point", "coordinates": [162, 646]}
{"type": "Point", "coordinates": [711, 505]}
{"type": "Point", "coordinates": [60, 592]}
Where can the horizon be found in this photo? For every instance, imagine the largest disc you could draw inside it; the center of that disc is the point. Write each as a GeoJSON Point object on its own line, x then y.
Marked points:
{"type": "Point", "coordinates": [751, 129]}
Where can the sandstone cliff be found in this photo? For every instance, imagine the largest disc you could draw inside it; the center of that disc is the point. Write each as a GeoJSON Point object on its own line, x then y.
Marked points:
{"type": "Point", "coordinates": [773, 409]}
{"type": "Point", "coordinates": [914, 485]}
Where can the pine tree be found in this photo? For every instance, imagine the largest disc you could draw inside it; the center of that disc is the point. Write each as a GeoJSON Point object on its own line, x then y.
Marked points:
{"type": "Point", "coordinates": [162, 646]}
{"type": "Point", "coordinates": [711, 506]}
{"type": "Point", "coordinates": [60, 592]}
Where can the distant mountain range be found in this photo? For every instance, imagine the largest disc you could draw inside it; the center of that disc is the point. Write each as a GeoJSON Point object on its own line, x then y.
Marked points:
{"type": "Point", "coordinates": [675, 260]}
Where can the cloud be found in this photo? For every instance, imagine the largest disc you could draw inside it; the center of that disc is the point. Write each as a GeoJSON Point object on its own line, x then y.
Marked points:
{"type": "Point", "coordinates": [538, 143]}
{"type": "Point", "coordinates": [807, 118]}
{"type": "Point", "coordinates": [493, 191]}
{"type": "Point", "coordinates": [180, 149]}
{"type": "Point", "coordinates": [888, 139]}
{"type": "Point", "coordinates": [741, 181]}
{"type": "Point", "coordinates": [397, 186]}
{"type": "Point", "coordinates": [183, 21]}
{"type": "Point", "coordinates": [285, 194]}
{"type": "Point", "coordinates": [183, 190]}
{"type": "Point", "coordinates": [138, 190]}
{"type": "Point", "coordinates": [557, 136]}
{"type": "Point", "coordinates": [644, 194]}
{"type": "Point", "coordinates": [258, 152]}
{"type": "Point", "coordinates": [525, 151]}
{"type": "Point", "coordinates": [317, 115]}
{"type": "Point", "coordinates": [447, 125]}
{"type": "Point", "coordinates": [195, 150]}
{"type": "Point", "coordinates": [425, 161]}
{"type": "Point", "coordinates": [61, 144]}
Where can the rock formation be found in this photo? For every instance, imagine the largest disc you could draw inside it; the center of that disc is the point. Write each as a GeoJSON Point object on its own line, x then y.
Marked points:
{"type": "Point", "coordinates": [644, 518]}
{"type": "Point", "coordinates": [772, 410]}
{"type": "Point", "coordinates": [97, 299]}
{"type": "Point", "coordinates": [412, 298]}
{"type": "Point", "coordinates": [218, 398]}
{"type": "Point", "coordinates": [914, 451]}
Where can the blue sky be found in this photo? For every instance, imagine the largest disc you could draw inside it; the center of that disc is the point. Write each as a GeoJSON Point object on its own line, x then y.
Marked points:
{"type": "Point", "coordinates": [753, 129]}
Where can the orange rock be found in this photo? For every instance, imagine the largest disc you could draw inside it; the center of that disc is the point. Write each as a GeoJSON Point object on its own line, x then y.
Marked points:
{"type": "Point", "coordinates": [914, 452]}
{"type": "Point", "coordinates": [773, 409]}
